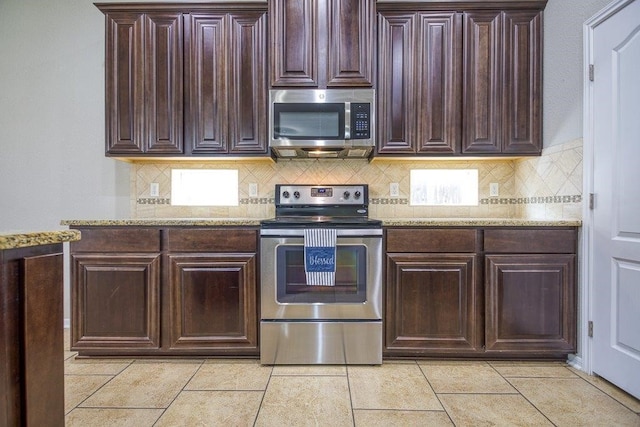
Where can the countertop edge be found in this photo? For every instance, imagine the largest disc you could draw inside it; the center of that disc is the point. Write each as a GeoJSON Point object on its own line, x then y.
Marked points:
{"type": "Point", "coordinates": [480, 222]}
{"type": "Point", "coordinates": [386, 222]}
{"type": "Point", "coordinates": [37, 238]}
{"type": "Point", "coordinates": [164, 222]}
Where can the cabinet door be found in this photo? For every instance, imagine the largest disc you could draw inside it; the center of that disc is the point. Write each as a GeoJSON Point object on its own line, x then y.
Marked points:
{"type": "Point", "coordinates": [351, 36]}
{"type": "Point", "coordinates": [205, 64]}
{"type": "Point", "coordinates": [115, 301]}
{"type": "Point", "coordinates": [248, 83]}
{"type": "Point", "coordinates": [530, 304]}
{"type": "Point", "coordinates": [482, 90]}
{"type": "Point", "coordinates": [522, 109]}
{"type": "Point", "coordinates": [322, 43]}
{"type": "Point", "coordinates": [432, 305]}
{"type": "Point", "coordinates": [124, 74]}
{"type": "Point", "coordinates": [438, 82]}
{"type": "Point", "coordinates": [396, 128]}
{"type": "Point", "coordinates": [502, 90]}
{"type": "Point", "coordinates": [144, 83]}
{"type": "Point", "coordinates": [420, 83]}
{"type": "Point", "coordinates": [213, 302]}
{"type": "Point", "coordinates": [294, 53]}
{"type": "Point", "coordinates": [163, 83]}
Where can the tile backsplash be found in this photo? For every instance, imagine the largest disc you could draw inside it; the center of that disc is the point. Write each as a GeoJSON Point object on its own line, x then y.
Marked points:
{"type": "Point", "coordinates": [550, 186]}
{"type": "Point", "coordinates": [545, 187]}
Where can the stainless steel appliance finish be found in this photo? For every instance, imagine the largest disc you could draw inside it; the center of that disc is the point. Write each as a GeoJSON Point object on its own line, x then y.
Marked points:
{"type": "Point", "coordinates": [319, 123]}
{"type": "Point", "coordinates": [303, 324]}
{"type": "Point", "coordinates": [334, 306]}
{"type": "Point", "coordinates": [316, 343]}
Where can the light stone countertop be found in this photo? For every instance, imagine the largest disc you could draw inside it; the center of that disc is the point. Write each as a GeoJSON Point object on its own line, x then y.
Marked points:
{"type": "Point", "coordinates": [387, 222]}
{"type": "Point", "coordinates": [19, 239]}
{"type": "Point", "coordinates": [478, 222]}
{"type": "Point", "coordinates": [164, 222]}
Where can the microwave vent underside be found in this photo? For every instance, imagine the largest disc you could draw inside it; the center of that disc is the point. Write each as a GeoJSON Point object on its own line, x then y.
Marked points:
{"type": "Point", "coordinates": [293, 153]}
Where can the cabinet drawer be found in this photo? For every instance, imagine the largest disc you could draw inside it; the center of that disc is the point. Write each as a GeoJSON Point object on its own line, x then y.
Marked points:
{"type": "Point", "coordinates": [121, 239]}
{"type": "Point", "coordinates": [212, 240]}
{"type": "Point", "coordinates": [550, 240]}
{"type": "Point", "coordinates": [432, 240]}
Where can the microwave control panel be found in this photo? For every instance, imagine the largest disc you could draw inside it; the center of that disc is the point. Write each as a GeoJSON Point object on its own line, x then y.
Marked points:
{"type": "Point", "coordinates": [360, 120]}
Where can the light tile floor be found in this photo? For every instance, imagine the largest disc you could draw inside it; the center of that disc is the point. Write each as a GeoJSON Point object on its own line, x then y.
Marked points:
{"type": "Point", "coordinates": [186, 392]}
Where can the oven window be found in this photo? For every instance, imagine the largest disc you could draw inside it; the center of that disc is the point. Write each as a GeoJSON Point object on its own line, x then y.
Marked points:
{"type": "Point", "coordinates": [350, 279]}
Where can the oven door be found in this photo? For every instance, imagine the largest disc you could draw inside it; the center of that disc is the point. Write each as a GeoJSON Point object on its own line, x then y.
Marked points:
{"type": "Point", "coordinates": [356, 295]}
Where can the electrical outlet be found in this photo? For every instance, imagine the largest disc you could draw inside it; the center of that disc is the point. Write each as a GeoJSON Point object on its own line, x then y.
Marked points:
{"type": "Point", "coordinates": [394, 189]}
{"type": "Point", "coordinates": [494, 189]}
{"type": "Point", "coordinates": [253, 189]}
{"type": "Point", "coordinates": [154, 189]}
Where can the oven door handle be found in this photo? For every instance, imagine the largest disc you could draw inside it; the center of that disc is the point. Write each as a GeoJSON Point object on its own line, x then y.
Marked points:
{"type": "Point", "coordinates": [340, 232]}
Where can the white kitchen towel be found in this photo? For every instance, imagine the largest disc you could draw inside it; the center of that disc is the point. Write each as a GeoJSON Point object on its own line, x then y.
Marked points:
{"type": "Point", "coordinates": [320, 256]}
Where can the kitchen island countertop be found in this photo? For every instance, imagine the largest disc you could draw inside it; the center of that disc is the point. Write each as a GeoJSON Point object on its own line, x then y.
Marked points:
{"type": "Point", "coordinates": [22, 239]}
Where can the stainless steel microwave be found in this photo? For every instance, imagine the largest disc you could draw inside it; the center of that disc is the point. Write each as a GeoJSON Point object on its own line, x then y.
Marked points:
{"type": "Point", "coordinates": [317, 123]}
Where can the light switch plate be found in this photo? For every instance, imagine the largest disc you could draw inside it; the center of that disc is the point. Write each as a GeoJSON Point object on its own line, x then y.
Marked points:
{"type": "Point", "coordinates": [494, 189]}
{"type": "Point", "coordinates": [154, 189]}
{"type": "Point", "coordinates": [253, 189]}
{"type": "Point", "coordinates": [394, 189]}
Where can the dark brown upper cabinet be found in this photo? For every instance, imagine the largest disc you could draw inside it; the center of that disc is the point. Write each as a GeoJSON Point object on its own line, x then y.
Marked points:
{"type": "Point", "coordinates": [419, 86]}
{"type": "Point", "coordinates": [144, 83]}
{"type": "Point", "coordinates": [225, 65]}
{"type": "Point", "coordinates": [322, 43]}
{"type": "Point", "coordinates": [185, 79]}
{"type": "Point", "coordinates": [502, 94]}
{"type": "Point", "coordinates": [460, 78]}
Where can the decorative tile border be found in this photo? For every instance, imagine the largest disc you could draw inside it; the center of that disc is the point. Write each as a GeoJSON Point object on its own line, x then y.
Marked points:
{"type": "Point", "coordinates": [388, 201]}
{"type": "Point", "coordinates": [576, 198]}
{"type": "Point", "coordinates": [153, 201]}
{"type": "Point", "coordinates": [257, 201]}
{"type": "Point", "coordinates": [243, 201]}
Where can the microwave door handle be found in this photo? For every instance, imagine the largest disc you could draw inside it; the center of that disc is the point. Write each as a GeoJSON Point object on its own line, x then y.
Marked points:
{"type": "Point", "coordinates": [347, 120]}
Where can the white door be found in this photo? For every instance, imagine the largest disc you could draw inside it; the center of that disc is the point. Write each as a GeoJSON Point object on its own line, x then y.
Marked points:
{"type": "Point", "coordinates": [615, 237]}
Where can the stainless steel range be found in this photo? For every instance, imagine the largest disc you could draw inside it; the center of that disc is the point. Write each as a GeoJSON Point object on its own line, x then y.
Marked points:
{"type": "Point", "coordinates": [321, 278]}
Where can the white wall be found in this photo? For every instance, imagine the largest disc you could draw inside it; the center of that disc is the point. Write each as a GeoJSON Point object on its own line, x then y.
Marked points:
{"type": "Point", "coordinates": [563, 68]}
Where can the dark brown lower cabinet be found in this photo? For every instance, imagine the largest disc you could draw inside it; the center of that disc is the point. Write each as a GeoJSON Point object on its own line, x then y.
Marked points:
{"type": "Point", "coordinates": [213, 302]}
{"type": "Point", "coordinates": [442, 301]}
{"type": "Point", "coordinates": [431, 304]}
{"type": "Point", "coordinates": [151, 291]}
{"type": "Point", "coordinates": [530, 304]}
{"type": "Point", "coordinates": [31, 340]}
{"type": "Point", "coordinates": [433, 299]}
{"type": "Point", "coordinates": [116, 301]}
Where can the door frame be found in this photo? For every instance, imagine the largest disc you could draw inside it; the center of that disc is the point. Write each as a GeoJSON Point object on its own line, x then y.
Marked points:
{"type": "Point", "coordinates": [585, 343]}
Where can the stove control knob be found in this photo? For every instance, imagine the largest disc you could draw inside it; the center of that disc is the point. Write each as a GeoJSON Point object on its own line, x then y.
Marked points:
{"type": "Point", "coordinates": [346, 195]}
{"type": "Point", "coordinates": [296, 194]}
{"type": "Point", "coordinates": [285, 194]}
{"type": "Point", "coordinates": [357, 194]}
